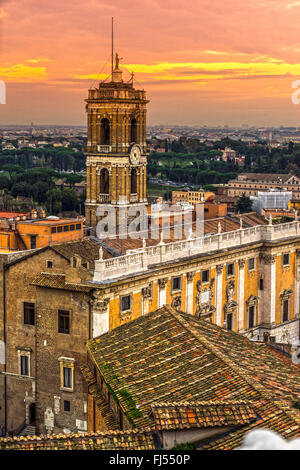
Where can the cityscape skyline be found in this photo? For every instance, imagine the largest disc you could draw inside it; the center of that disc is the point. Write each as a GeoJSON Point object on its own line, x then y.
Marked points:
{"type": "Point", "coordinates": [233, 64]}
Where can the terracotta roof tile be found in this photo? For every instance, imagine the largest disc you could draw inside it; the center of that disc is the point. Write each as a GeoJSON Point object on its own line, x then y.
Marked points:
{"type": "Point", "coordinates": [110, 440]}
{"type": "Point", "coordinates": [173, 357]}
{"type": "Point", "coordinates": [202, 414]}
{"type": "Point", "coordinates": [58, 281]}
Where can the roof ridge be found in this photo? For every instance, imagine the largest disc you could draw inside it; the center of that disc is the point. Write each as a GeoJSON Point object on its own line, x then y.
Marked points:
{"type": "Point", "coordinates": [257, 386]}
{"type": "Point", "coordinates": [76, 435]}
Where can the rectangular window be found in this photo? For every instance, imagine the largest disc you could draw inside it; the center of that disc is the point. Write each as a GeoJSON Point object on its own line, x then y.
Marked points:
{"type": "Point", "coordinates": [285, 310]}
{"type": "Point", "coordinates": [59, 229]}
{"type": "Point", "coordinates": [251, 264]}
{"type": "Point", "coordinates": [126, 303]}
{"type": "Point", "coordinates": [251, 316]}
{"type": "Point", "coordinates": [67, 405]}
{"type": "Point", "coordinates": [261, 284]}
{"type": "Point", "coordinates": [66, 228]}
{"type": "Point", "coordinates": [205, 275]}
{"type": "Point", "coordinates": [78, 226]}
{"type": "Point", "coordinates": [53, 229]}
{"type": "Point", "coordinates": [72, 228]}
{"type": "Point", "coordinates": [64, 321]}
{"type": "Point", "coordinates": [286, 259]}
{"type": "Point", "coordinates": [230, 269]}
{"type": "Point", "coordinates": [49, 264]}
{"type": "Point", "coordinates": [176, 283]}
{"type": "Point", "coordinates": [24, 365]}
{"type": "Point", "coordinates": [29, 313]}
{"type": "Point", "coordinates": [68, 377]}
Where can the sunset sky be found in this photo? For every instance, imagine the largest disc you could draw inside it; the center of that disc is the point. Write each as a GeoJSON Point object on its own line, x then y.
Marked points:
{"type": "Point", "coordinates": [206, 62]}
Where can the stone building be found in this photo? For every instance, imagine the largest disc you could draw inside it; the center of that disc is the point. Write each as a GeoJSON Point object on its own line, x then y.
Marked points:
{"type": "Point", "coordinates": [116, 157]}
{"type": "Point", "coordinates": [30, 330]}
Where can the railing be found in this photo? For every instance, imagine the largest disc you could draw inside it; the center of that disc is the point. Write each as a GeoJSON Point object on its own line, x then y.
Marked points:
{"type": "Point", "coordinates": [140, 259]}
{"type": "Point", "coordinates": [103, 198]}
{"type": "Point", "coordinates": [104, 148]}
{"type": "Point", "coordinates": [133, 197]}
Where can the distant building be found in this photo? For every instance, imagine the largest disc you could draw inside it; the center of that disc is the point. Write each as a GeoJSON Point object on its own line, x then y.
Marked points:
{"type": "Point", "coordinates": [22, 232]}
{"type": "Point", "coordinates": [192, 197]}
{"type": "Point", "coordinates": [251, 183]}
{"type": "Point", "coordinates": [271, 200]}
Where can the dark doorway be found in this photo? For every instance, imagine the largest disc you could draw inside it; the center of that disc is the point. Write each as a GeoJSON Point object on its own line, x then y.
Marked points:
{"type": "Point", "coordinates": [133, 130]}
{"type": "Point", "coordinates": [229, 321]}
{"type": "Point", "coordinates": [285, 310]}
{"type": "Point", "coordinates": [105, 132]}
{"type": "Point", "coordinates": [133, 182]}
{"type": "Point", "coordinates": [104, 181]}
{"type": "Point", "coordinates": [251, 316]}
{"type": "Point", "coordinates": [32, 413]}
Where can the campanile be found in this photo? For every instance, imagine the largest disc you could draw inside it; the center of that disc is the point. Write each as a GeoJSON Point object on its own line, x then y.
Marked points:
{"type": "Point", "coordinates": [116, 157]}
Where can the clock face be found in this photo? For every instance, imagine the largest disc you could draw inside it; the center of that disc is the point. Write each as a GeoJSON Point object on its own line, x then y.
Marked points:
{"type": "Point", "coordinates": [135, 155]}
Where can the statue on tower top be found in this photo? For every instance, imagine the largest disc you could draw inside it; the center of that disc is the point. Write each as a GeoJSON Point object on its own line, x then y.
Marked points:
{"type": "Point", "coordinates": [117, 61]}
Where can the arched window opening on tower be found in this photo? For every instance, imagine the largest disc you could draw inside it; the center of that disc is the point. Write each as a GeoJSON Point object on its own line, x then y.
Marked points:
{"type": "Point", "coordinates": [133, 182]}
{"type": "Point", "coordinates": [104, 181]}
{"type": "Point", "coordinates": [133, 131]}
{"type": "Point", "coordinates": [105, 132]}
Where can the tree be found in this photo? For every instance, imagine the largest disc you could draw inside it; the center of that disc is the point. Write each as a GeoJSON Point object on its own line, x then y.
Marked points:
{"type": "Point", "coordinates": [53, 201]}
{"type": "Point", "coordinates": [244, 204]}
{"type": "Point", "coordinates": [69, 200]}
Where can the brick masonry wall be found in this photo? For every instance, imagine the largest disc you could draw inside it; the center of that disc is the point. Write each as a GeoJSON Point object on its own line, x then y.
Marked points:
{"type": "Point", "coordinates": [18, 278]}
{"type": "Point", "coordinates": [52, 345]}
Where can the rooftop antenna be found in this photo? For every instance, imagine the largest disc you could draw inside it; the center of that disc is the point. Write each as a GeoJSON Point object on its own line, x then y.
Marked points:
{"type": "Point", "coordinates": [112, 45]}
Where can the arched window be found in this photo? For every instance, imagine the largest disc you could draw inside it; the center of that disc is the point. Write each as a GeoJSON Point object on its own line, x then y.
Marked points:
{"type": "Point", "coordinates": [104, 181]}
{"type": "Point", "coordinates": [133, 130]}
{"type": "Point", "coordinates": [105, 132]}
{"type": "Point", "coordinates": [133, 182]}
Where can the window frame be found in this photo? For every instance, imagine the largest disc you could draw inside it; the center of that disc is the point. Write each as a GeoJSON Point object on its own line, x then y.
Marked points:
{"type": "Point", "coordinates": [122, 298]}
{"type": "Point", "coordinates": [233, 270]}
{"type": "Point", "coordinates": [27, 366]}
{"type": "Point", "coordinates": [208, 275]}
{"type": "Point", "coordinates": [67, 363]}
{"type": "Point", "coordinates": [61, 314]}
{"type": "Point", "coordinates": [248, 264]}
{"type": "Point", "coordinates": [176, 289]}
{"type": "Point", "coordinates": [289, 258]}
{"type": "Point", "coordinates": [26, 305]}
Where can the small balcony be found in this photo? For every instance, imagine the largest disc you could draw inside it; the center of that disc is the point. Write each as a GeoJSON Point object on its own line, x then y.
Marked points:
{"type": "Point", "coordinates": [133, 198]}
{"type": "Point", "coordinates": [103, 198]}
{"type": "Point", "coordinates": [104, 148]}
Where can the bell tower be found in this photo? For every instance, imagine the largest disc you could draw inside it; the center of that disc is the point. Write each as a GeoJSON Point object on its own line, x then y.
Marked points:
{"type": "Point", "coordinates": [116, 157]}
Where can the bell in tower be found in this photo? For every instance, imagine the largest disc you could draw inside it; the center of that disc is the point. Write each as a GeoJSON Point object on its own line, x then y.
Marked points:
{"type": "Point", "coordinates": [116, 157]}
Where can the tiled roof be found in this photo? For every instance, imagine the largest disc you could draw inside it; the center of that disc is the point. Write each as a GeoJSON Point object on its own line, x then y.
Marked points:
{"type": "Point", "coordinates": [266, 177]}
{"type": "Point", "coordinates": [169, 356]}
{"type": "Point", "coordinates": [250, 219]}
{"type": "Point", "coordinates": [272, 417]}
{"type": "Point", "coordinates": [202, 414]}
{"type": "Point", "coordinates": [58, 281]}
{"type": "Point", "coordinates": [110, 440]}
{"type": "Point", "coordinates": [86, 248]}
